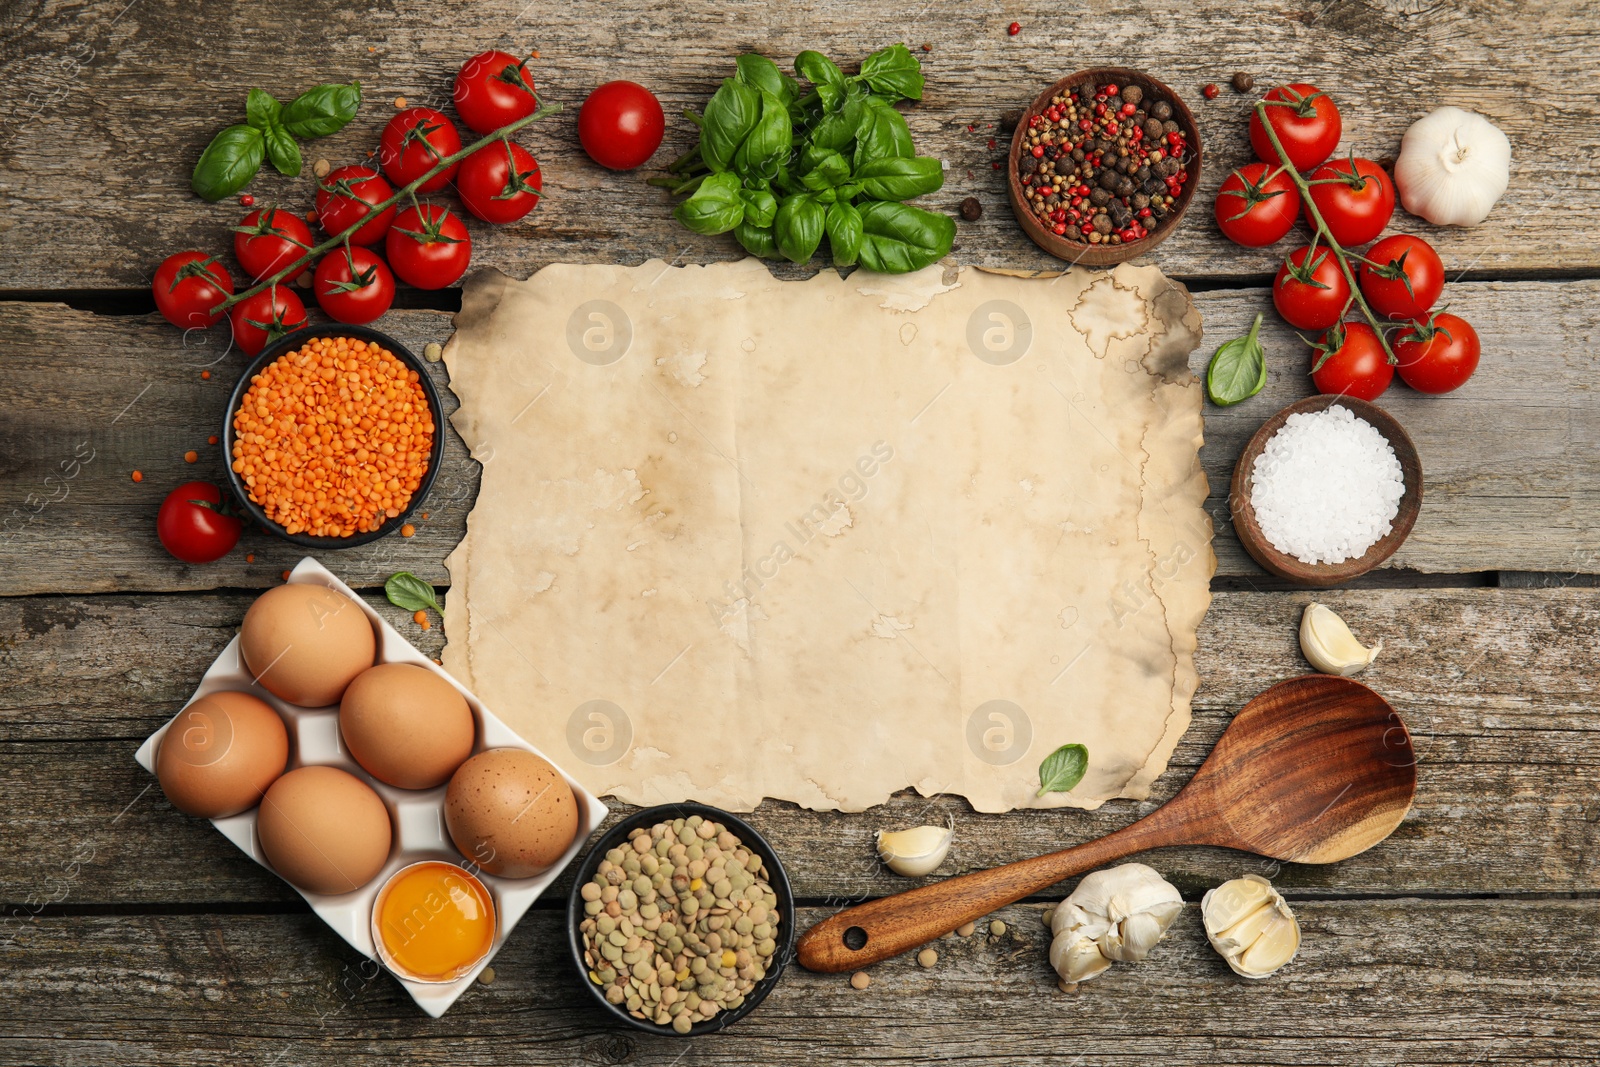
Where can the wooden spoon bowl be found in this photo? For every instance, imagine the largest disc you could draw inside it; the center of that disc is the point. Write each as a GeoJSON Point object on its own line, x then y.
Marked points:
{"type": "Point", "coordinates": [1314, 770]}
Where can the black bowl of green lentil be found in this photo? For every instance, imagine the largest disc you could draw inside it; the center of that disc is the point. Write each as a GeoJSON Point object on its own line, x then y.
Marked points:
{"type": "Point", "coordinates": [616, 838]}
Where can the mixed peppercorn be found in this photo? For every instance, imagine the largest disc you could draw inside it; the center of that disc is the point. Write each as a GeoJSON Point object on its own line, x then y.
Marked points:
{"type": "Point", "coordinates": [1103, 164]}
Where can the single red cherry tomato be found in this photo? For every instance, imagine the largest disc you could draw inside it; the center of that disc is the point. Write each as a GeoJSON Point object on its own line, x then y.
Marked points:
{"type": "Point", "coordinates": [413, 143]}
{"type": "Point", "coordinates": [1350, 361]}
{"type": "Point", "coordinates": [187, 286]}
{"type": "Point", "coordinates": [346, 196]}
{"type": "Point", "coordinates": [1438, 355]}
{"type": "Point", "coordinates": [621, 125]}
{"type": "Point", "coordinates": [1306, 121]}
{"type": "Point", "coordinates": [261, 319]}
{"type": "Point", "coordinates": [1310, 296]}
{"type": "Point", "coordinates": [429, 247]}
{"type": "Point", "coordinates": [269, 240]}
{"type": "Point", "coordinates": [1407, 280]}
{"type": "Point", "coordinates": [499, 182]}
{"type": "Point", "coordinates": [192, 525]}
{"type": "Point", "coordinates": [1257, 205]}
{"type": "Point", "coordinates": [353, 285]}
{"type": "Point", "coordinates": [493, 90]}
{"type": "Point", "coordinates": [1356, 202]}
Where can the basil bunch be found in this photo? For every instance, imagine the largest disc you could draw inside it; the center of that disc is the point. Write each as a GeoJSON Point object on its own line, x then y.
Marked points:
{"type": "Point", "coordinates": [783, 170]}
{"type": "Point", "coordinates": [234, 156]}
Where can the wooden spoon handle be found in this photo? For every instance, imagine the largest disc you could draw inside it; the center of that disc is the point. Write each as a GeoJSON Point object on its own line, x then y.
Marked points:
{"type": "Point", "coordinates": [898, 923]}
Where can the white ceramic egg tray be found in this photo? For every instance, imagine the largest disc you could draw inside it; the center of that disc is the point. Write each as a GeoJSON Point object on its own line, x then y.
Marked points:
{"type": "Point", "coordinates": [416, 815]}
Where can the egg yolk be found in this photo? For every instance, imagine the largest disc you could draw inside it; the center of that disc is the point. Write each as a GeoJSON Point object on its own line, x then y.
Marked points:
{"type": "Point", "coordinates": [436, 921]}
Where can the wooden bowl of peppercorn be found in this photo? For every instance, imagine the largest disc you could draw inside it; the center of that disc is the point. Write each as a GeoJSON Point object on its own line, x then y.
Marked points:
{"type": "Point", "coordinates": [1133, 200]}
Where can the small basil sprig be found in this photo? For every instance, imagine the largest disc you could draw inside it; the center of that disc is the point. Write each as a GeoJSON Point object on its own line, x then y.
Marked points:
{"type": "Point", "coordinates": [1238, 370]}
{"type": "Point", "coordinates": [405, 590]}
{"type": "Point", "coordinates": [1063, 769]}
{"type": "Point", "coordinates": [235, 154]}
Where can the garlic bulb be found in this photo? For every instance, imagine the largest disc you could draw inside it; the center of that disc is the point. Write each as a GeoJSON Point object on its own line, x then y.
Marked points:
{"type": "Point", "coordinates": [1329, 645]}
{"type": "Point", "coordinates": [916, 851]}
{"type": "Point", "coordinates": [1250, 925]}
{"type": "Point", "coordinates": [1453, 166]}
{"type": "Point", "coordinates": [1115, 914]}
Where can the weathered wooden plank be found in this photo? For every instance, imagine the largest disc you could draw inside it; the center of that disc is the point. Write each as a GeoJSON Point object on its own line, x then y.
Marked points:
{"type": "Point", "coordinates": [110, 104]}
{"type": "Point", "coordinates": [1497, 685]}
{"type": "Point", "coordinates": [1508, 483]}
{"type": "Point", "coordinates": [1376, 983]}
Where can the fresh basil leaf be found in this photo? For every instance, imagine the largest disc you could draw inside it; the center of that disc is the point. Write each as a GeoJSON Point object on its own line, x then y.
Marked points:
{"type": "Point", "coordinates": [760, 206]}
{"type": "Point", "coordinates": [714, 208]}
{"type": "Point", "coordinates": [1063, 769]}
{"type": "Point", "coordinates": [798, 227]}
{"type": "Point", "coordinates": [1238, 370]}
{"type": "Point", "coordinates": [262, 110]}
{"type": "Point", "coordinates": [826, 169]}
{"type": "Point", "coordinates": [844, 233]}
{"type": "Point", "coordinates": [228, 163]}
{"type": "Point", "coordinates": [730, 115]}
{"type": "Point", "coordinates": [893, 71]}
{"type": "Point", "coordinates": [322, 110]}
{"type": "Point", "coordinates": [757, 240]}
{"type": "Point", "coordinates": [282, 151]}
{"type": "Point", "coordinates": [835, 129]}
{"type": "Point", "coordinates": [897, 178]}
{"type": "Point", "coordinates": [405, 590]}
{"type": "Point", "coordinates": [897, 238]}
{"type": "Point", "coordinates": [882, 134]}
{"type": "Point", "coordinates": [769, 143]}
{"type": "Point", "coordinates": [830, 97]}
{"type": "Point", "coordinates": [761, 73]}
{"type": "Point", "coordinates": [819, 70]}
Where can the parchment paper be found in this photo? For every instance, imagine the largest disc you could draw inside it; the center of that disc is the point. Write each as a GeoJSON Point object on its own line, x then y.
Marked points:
{"type": "Point", "coordinates": [823, 540]}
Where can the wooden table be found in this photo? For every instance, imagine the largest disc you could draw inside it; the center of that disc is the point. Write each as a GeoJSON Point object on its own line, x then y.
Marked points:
{"type": "Point", "coordinates": [134, 935]}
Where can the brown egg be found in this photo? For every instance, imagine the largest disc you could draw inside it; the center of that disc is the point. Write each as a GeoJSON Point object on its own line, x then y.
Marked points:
{"type": "Point", "coordinates": [510, 812]}
{"type": "Point", "coordinates": [220, 754]}
{"type": "Point", "coordinates": [304, 643]}
{"type": "Point", "coordinates": [324, 830]}
{"type": "Point", "coordinates": [406, 725]}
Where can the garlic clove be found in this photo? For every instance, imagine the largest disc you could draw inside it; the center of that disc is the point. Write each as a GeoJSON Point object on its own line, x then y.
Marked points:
{"type": "Point", "coordinates": [1077, 959]}
{"type": "Point", "coordinates": [916, 851]}
{"type": "Point", "coordinates": [1250, 925]}
{"type": "Point", "coordinates": [1329, 646]}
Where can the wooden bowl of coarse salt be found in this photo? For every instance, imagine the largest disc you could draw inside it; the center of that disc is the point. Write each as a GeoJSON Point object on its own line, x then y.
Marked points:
{"type": "Point", "coordinates": [1321, 495]}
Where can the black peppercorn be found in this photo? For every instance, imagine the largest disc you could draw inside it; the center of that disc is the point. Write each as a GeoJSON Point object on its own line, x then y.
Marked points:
{"type": "Point", "coordinates": [1102, 223]}
{"type": "Point", "coordinates": [971, 209]}
{"type": "Point", "coordinates": [1099, 197]}
{"type": "Point", "coordinates": [1029, 164]}
{"type": "Point", "coordinates": [1109, 180]}
{"type": "Point", "coordinates": [1161, 110]}
{"type": "Point", "coordinates": [1009, 120]}
{"type": "Point", "coordinates": [1243, 82]}
{"type": "Point", "coordinates": [1141, 201]}
{"type": "Point", "coordinates": [1077, 154]}
{"type": "Point", "coordinates": [1142, 174]}
{"type": "Point", "coordinates": [1132, 94]}
{"type": "Point", "coordinates": [1152, 128]}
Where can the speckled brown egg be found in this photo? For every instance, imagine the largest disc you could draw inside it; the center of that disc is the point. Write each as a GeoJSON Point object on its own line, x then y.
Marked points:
{"type": "Point", "coordinates": [406, 725]}
{"type": "Point", "coordinates": [324, 830]}
{"type": "Point", "coordinates": [304, 642]}
{"type": "Point", "coordinates": [220, 754]}
{"type": "Point", "coordinates": [510, 812]}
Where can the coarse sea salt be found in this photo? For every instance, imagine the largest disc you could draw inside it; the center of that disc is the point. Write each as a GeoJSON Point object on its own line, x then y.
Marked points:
{"type": "Point", "coordinates": [1326, 487]}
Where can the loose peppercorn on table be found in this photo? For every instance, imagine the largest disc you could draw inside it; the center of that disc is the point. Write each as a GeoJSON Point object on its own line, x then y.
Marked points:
{"type": "Point", "coordinates": [133, 934]}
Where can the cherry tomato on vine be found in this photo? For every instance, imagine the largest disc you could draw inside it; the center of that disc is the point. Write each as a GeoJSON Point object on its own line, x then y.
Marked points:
{"type": "Point", "coordinates": [493, 90]}
{"type": "Point", "coordinates": [346, 196]}
{"type": "Point", "coordinates": [261, 319]}
{"type": "Point", "coordinates": [620, 125]}
{"type": "Point", "coordinates": [413, 143]}
{"type": "Point", "coordinates": [1306, 121]}
{"type": "Point", "coordinates": [1438, 355]}
{"type": "Point", "coordinates": [269, 240]}
{"type": "Point", "coordinates": [1349, 360]}
{"type": "Point", "coordinates": [429, 247]}
{"type": "Point", "coordinates": [499, 182]}
{"type": "Point", "coordinates": [1257, 205]}
{"type": "Point", "coordinates": [187, 286]}
{"type": "Point", "coordinates": [192, 525]}
{"type": "Point", "coordinates": [1310, 297]}
{"type": "Point", "coordinates": [1407, 280]}
{"type": "Point", "coordinates": [353, 285]}
{"type": "Point", "coordinates": [1357, 201]}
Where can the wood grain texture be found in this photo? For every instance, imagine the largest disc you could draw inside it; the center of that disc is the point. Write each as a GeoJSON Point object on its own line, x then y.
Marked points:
{"type": "Point", "coordinates": [1377, 983]}
{"type": "Point", "coordinates": [1505, 459]}
{"type": "Point", "coordinates": [1497, 687]}
{"type": "Point", "coordinates": [108, 106]}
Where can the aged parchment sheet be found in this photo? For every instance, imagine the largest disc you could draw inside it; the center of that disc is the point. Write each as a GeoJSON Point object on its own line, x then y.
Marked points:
{"type": "Point", "coordinates": [823, 540]}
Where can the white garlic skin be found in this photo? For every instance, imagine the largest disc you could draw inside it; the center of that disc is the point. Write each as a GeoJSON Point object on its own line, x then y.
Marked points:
{"type": "Point", "coordinates": [916, 851]}
{"type": "Point", "coordinates": [1453, 166]}
{"type": "Point", "coordinates": [1329, 646]}
{"type": "Point", "coordinates": [1250, 925]}
{"type": "Point", "coordinates": [1115, 914]}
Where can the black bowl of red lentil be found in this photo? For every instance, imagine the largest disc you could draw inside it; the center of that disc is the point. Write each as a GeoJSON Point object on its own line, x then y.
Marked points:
{"type": "Point", "coordinates": [410, 449]}
{"type": "Point", "coordinates": [1120, 215]}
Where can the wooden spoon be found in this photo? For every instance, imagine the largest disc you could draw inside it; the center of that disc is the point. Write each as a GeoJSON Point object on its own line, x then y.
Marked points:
{"type": "Point", "coordinates": [1315, 769]}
